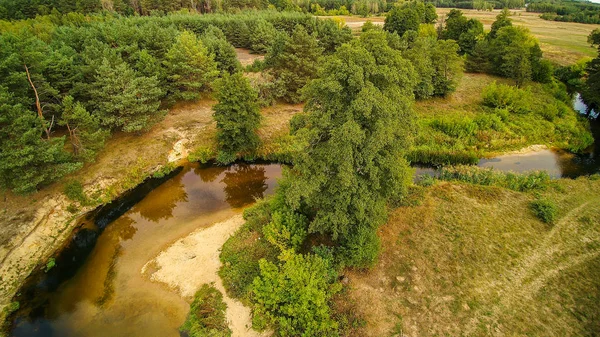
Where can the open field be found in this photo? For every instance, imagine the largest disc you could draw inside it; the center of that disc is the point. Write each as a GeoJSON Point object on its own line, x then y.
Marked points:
{"type": "Point", "coordinates": [475, 261]}
{"type": "Point", "coordinates": [561, 42]}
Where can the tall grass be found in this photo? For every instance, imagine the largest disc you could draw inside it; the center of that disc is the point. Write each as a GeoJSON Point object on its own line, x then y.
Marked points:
{"type": "Point", "coordinates": [530, 181]}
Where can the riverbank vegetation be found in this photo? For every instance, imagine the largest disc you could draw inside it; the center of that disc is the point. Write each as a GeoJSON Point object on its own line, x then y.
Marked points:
{"type": "Point", "coordinates": [374, 104]}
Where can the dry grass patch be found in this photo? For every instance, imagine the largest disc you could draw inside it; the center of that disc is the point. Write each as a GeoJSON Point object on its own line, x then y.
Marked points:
{"type": "Point", "coordinates": [474, 260]}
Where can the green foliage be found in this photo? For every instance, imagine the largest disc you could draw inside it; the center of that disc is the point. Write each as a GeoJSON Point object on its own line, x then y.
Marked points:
{"type": "Point", "coordinates": [545, 210]}
{"type": "Point", "coordinates": [287, 229]}
{"type": "Point", "coordinates": [437, 63]}
{"type": "Point", "coordinates": [191, 69]}
{"type": "Point", "coordinates": [222, 51]}
{"type": "Point", "coordinates": [294, 62]}
{"type": "Point", "coordinates": [26, 160]}
{"type": "Point", "coordinates": [439, 155]}
{"type": "Point", "coordinates": [511, 52]}
{"type": "Point", "coordinates": [242, 251]}
{"type": "Point", "coordinates": [74, 190]}
{"type": "Point", "coordinates": [293, 298]}
{"type": "Point", "coordinates": [358, 126]}
{"type": "Point", "coordinates": [124, 100]}
{"type": "Point", "coordinates": [237, 116]}
{"type": "Point", "coordinates": [85, 134]}
{"type": "Point", "coordinates": [401, 20]}
{"type": "Point", "coordinates": [201, 154]}
{"type": "Point", "coordinates": [502, 96]}
{"type": "Point", "coordinates": [455, 127]}
{"type": "Point", "coordinates": [262, 36]}
{"type": "Point", "coordinates": [531, 181]}
{"type": "Point", "coordinates": [50, 264]}
{"type": "Point", "coordinates": [462, 30]}
{"type": "Point", "coordinates": [207, 314]}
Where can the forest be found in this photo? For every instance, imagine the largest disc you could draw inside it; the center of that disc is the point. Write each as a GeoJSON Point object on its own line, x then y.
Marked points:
{"type": "Point", "coordinates": [75, 74]}
{"type": "Point", "coordinates": [568, 11]}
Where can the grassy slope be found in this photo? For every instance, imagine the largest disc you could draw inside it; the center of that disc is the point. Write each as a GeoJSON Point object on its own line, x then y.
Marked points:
{"type": "Point", "coordinates": [515, 132]}
{"type": "Point", "coordinates": [474, 260]}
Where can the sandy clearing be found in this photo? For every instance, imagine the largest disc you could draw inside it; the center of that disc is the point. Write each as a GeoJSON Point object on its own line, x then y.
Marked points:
{"type": "Point", "coordinates": [193, 261]}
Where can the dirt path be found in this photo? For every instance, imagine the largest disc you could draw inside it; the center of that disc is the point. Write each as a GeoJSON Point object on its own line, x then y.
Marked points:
{"type": "Point", "coordinates": [193, 261]}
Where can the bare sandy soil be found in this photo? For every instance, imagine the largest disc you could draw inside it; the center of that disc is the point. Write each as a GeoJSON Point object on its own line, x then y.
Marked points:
{"type": "Point", "coordinates": [193, 261]}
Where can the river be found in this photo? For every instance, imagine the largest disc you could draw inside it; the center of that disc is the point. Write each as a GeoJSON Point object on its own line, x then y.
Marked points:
{"type": "Point", "coordinates": [107, 295]}
{"type": "Point", "coordinates": [97, 287]}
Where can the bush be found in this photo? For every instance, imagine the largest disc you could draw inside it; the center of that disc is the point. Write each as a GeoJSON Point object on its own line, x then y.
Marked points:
{"type": "Point", "coordinates": [241, 253]}
{"type": "Point", "coordinates": [545, 210]}
{"type": "Point", "coordinates": [504, 96]}
{"type": "Point", "coordinates": [201, 154]}
{"type": "Point", "coordinates": [74, 190]}
{"type": "Point", "coordinates": [287, 229]}
{"type": "Point", "coordinates": [207, 315]}
{"type": "Point", "coordinates": [293, 298]}
{"type": "Point", "coordinates": [536, 180]}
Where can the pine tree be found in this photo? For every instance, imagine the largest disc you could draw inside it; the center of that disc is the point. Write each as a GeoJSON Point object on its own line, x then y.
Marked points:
{"type": "Point", "coordinates": [26, 160]}
{"type": "Point", "coordinates": [122, 99]}
{"type": "Point", "coordinates": [189, 66]}
{"type": "Point", "coordinates": [237, 116]}
{"type": "Point", "coordinates": [295, 62]}
{"type": "Point", "coordinates": [85, 134]}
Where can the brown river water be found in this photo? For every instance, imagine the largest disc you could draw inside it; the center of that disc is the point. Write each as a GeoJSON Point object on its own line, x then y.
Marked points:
{"type": "Point", "coordinates": [108, 295]}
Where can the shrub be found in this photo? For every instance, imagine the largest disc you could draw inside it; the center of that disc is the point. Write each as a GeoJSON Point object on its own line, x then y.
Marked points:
{"type": "Point", "coordinates": [507, 97]}
{"type": "Point", "coordinates": [545, 210]}
{"type": "Point", "coordinates": [74, 190]}
{"type": "Point", "coordinates": [293, 298]}
{"type": "Point", "coordinates": [207, 315]}
{"type": "Point", "coordinates": [241, 253]}
{"type": "Point", "coordinates": [201, 154]}
{"type": "Point", "coordinates": [287, 229]}
{"type": "Point", "coordinates": [536, 180]}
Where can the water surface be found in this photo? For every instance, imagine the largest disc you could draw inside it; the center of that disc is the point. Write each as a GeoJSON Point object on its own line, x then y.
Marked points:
{"type": "Point", "coordinates": [108, 295]}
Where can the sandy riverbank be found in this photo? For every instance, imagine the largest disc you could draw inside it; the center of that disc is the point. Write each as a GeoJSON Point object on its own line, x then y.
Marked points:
{"type": "Point", "coordinates": [193, 261]}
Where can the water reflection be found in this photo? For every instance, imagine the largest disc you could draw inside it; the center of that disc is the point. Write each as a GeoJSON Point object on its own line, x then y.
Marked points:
{"type": "Point", "coordinates": [173, 193]}
{"type": "Point", "coordinates": [244, 184]}
{"type": "Point", "coordinates": [105, 292]}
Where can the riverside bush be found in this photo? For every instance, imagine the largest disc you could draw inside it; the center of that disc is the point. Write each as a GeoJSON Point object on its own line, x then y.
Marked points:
{"type": "Point", "coordinates": [530, 181]}
{"type": "Point", "coordinates": [207, 315]}
{"type": "Point", "coordinates": [545, 210]}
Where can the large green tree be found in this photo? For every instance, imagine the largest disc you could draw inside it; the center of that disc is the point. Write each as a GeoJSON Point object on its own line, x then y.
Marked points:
{"type": "Point", "coordinates": [26, 160]}
{"type": "Point", "coordinates": [294, 62]}
{"type": "Point", "coordinates": [190, 67]}
{"type": "Point", "coordinates": [123, 99]}
{"type": "Point", "coordinates": [237, 116]}
{"type": "Point", "coordinates": [359, 123]}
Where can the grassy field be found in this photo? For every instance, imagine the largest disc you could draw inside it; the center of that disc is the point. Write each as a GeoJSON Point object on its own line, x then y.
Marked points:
{"type": "Point", "coordinates": [562, 42]}
{"type": "Point", "coordinates": [460, 129]}
{"type": "Point", "coordinates": [475, 261]}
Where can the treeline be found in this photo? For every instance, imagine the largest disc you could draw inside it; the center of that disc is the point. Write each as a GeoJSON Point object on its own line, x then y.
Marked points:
{"type": "Point", "coordinates": [506, 50]}
{"type": "Point", "coordinates": [568, 11]}
{"type": "Point", "coordinates": [74, 79]}
{"type": "Point", "coordinates": [478, 4]}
